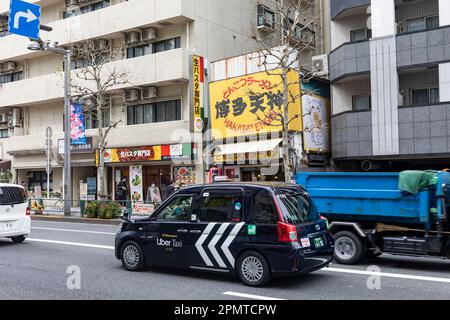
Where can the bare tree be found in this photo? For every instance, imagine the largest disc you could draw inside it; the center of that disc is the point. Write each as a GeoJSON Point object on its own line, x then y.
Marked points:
{"type": "Point", "coordinates": [92, 86]}
{"type": "Point", "coordinates": [282, 48]}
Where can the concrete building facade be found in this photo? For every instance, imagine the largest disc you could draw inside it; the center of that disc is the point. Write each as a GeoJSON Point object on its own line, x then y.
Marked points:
{"type": "Point", "coordinates": [389, 66]}
{"type": "Point", "coordinates": [31, 83]}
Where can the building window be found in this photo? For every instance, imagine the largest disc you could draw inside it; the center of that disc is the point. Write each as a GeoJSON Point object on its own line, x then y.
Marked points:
{"type": "Point", "coordinates": [425, 96]}
{"type": "Point", "coordinates": [4, 133]}
{"type": "Point", "coordinates": [139, 51]}
{"type": "Point", "coordinates": [150, 48]}
{"type": "Point", "coordinates": [85, 9]}
{"type": "Point", "coordinates": [91, 121]}
{"type": "Point", "coordinates": [39, 179]}
{"type": "Point", "coordinates": [11, 77]}
{"type": "Point", "coordinates": [266, 18]}
{"type": "Point", "coordinates": [361, 103]}
{"type": "Point", "coordinates": [424, 23]}
{"type": "Point", "coordinates": [360, 34]}
{"type": "Point", "coordinates": [154, 112]}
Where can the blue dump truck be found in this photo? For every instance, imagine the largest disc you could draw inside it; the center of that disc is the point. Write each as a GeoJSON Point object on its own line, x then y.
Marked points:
{"type": "Point", "coordinates": [373, 213]}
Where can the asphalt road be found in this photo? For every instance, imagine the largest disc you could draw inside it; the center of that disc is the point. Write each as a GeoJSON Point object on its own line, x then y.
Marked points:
{"type": "Point", "coordinates": [37, 269]}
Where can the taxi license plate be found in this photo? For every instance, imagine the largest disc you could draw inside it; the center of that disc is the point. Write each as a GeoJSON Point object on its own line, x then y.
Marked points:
{"type": "Point", "coordinates": [6, 226]}
{"type": "Point", "coordinates": [318, 242]}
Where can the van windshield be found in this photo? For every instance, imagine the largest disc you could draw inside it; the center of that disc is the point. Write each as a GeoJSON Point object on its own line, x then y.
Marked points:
{"type": "Point", "coordinates": [12, 195]}
{"type": "Point", "coordinates": [297, 206]}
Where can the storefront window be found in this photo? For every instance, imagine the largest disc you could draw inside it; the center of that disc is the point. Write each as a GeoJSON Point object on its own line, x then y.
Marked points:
{"type": "Point", "coordinates": [39, 179]}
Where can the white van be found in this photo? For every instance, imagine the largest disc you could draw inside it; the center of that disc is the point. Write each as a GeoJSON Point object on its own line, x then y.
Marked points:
{"type": "Point", "coordinates": [15, 221]}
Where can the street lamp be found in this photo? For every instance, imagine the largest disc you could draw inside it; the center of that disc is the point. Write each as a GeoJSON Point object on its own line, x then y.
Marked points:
{"type": "Point", "coordinates": [39, 45]}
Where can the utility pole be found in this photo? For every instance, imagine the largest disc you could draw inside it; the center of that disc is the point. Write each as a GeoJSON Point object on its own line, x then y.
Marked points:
{"type": "Point", "coordinates": [67, 155]}
{"type": "Point", "coordinates": [48, 142]}
{"type": "Point", "coordinates": [39, 45]}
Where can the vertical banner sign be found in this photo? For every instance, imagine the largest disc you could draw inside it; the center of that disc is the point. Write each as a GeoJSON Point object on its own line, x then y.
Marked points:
{"type": "Point", "coordinates": [136, 183]}
{"type": "Point", "coordinates": [198, 73]}
{"type": "Point", "coordinates": [77, 127]}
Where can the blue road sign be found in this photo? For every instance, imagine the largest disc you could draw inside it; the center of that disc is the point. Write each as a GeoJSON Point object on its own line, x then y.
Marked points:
{"type": "Point", "coordinates": [24, 19]}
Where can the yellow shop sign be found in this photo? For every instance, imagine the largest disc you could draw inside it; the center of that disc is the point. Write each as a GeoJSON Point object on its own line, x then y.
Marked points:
{"type": "Point", "coordinates": [253, 104]}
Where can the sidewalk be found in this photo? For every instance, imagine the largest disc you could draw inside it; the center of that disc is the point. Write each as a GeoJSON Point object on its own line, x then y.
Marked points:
{"type": "Point", "coordinates": [75, 217]}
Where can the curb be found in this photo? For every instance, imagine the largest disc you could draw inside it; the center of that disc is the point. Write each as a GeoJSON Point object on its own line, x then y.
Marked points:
{"type": "Point", "coordinates": [113, 222]}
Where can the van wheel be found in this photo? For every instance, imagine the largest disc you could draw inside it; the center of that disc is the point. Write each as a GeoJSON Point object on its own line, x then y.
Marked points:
{"type": "Point", "coordinates": [132, 256]}
{"type": "Point", "coordinates": [253, 269]}
{"type": "Point", "coordinates": [18, 239]}
{"type": "Point", "coordinates": [349, 248]}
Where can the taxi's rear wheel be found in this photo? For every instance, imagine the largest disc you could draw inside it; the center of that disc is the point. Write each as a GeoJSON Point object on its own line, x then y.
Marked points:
{"type": "Point", "coordinates": [132, 256]}
{"type": "Point", "coordinates": [253, 269]}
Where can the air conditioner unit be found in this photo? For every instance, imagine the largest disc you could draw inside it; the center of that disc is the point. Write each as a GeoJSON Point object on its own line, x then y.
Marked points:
{"type": "Point", "coordinates": [132, 37]}
{"type": "Point", "coordinates": [3, 118]}
{"type": "Point", "coordinates": [101, 44]}
{"type": "Point", "coordinates": [9, 66]}
{"type": "Point", "coordinates": [149, 93]}
{"type": "Point", "coordinates": [71, 3]}
{"type": "Point", "coordinates": [132, 95]}
{"type": "Point", "coordinates": [320, 65]}
{"type": "Point", "coordinates": [148, 34]}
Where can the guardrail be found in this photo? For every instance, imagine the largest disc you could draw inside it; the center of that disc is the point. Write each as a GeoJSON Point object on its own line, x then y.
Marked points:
{"type": "Point", "coordinates": [55, 206]}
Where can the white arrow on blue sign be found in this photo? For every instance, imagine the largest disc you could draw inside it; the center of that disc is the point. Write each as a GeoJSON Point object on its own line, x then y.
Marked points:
{"type": "Point", "coordinates": [24, 19]}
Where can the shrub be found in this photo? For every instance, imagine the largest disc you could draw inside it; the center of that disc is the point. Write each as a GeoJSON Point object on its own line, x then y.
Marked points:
{"type": "Point", "coordinates": [109, 210]}
{"type": "Point", "coordinates": [92, 209]}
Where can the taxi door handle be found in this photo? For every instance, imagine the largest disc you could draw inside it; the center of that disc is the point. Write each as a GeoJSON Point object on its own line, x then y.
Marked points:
{"type": "Point", "coordinates": [182, 231]}
{"type": "Point", "coordinates": [196, 231]}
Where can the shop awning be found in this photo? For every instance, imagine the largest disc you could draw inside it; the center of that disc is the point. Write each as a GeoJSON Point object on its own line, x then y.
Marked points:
{"type": "Point", "coordinates": [5, 165]}
{"type": "Point", "coordinates": [248, 147]}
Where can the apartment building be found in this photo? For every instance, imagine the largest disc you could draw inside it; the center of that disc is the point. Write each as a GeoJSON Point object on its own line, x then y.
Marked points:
{"type": "Point", "coordinates": [389, 69]}
{"type": "Point", "coordinates": [158, 39]}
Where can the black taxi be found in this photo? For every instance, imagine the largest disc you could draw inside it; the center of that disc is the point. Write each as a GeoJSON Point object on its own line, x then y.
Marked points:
{"type": "Point", "coordinates": [255, 230]}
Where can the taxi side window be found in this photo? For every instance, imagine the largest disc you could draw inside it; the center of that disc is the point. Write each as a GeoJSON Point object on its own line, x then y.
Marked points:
{"type": "Point", "coordinates": [263, 208]}
{"type": "Point", "coordinates": [177, 210]}
{"type": "Point", "coordinates": [221, 206]}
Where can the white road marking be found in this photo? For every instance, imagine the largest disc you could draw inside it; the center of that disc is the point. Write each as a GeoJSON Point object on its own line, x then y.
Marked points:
{"type": "Point", "coordinates": [73, 230]}
{"type": "Point", "coordinates": [77, 244]}
{"type": "Point", "coordinates": [249, 296]}
{"type": "Point", "coordinates": [388, 275]}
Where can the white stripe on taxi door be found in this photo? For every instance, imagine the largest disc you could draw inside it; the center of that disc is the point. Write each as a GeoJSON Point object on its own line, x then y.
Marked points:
{"type": "Point", "coordinates": [227, 243]}
{"type": "Point", "coordinates": [212, 245]}
{"type": "Point", "coordinates": [199, 244]}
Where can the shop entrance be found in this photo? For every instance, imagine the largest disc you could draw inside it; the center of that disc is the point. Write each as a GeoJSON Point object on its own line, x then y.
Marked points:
{"type": "Point", "coordinates": [254, 174]}
{"type": "Point", "coordinates": [160, 176]}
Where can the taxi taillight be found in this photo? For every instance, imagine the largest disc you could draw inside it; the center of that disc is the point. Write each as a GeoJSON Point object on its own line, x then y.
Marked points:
{"type": "Point", "coordinates": [287, 232]}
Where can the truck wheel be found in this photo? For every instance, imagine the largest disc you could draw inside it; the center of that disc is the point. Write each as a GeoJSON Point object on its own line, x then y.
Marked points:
{"type": "Point", "coordinates": [349, 248]}
{"type": "Point", "coordinates": [253, 269]}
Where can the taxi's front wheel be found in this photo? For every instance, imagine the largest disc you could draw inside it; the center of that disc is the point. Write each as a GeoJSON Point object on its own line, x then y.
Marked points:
{"type": "Point", "coordinates": [132, 256]}
{"type": "Point", "coordinates": [253, 269]}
